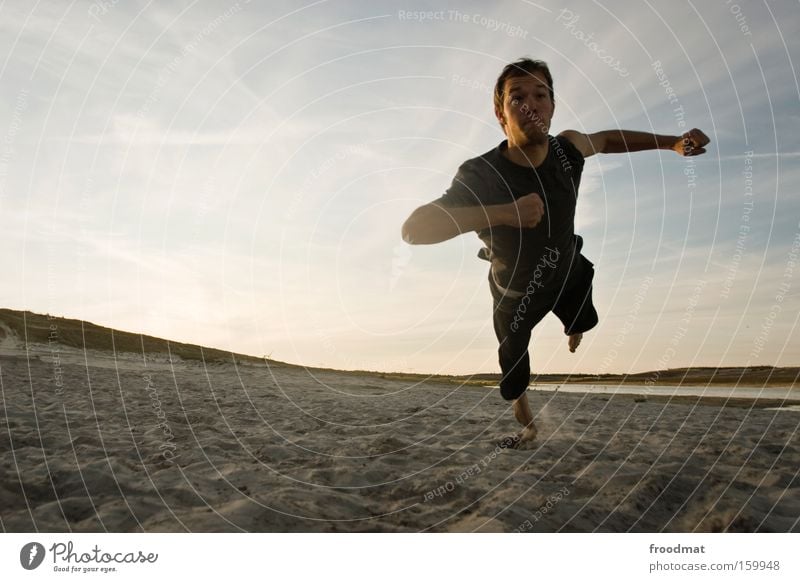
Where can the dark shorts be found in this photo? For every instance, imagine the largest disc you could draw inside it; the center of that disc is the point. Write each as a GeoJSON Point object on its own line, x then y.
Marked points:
{"type": "Point", "coordinates": [514, 321]}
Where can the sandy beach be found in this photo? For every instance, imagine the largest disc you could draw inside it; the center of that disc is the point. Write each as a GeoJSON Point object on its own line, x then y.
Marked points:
{"type": "Point", "coordinates": [97, 441]}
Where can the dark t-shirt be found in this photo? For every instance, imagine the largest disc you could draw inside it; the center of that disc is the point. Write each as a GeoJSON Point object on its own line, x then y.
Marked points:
{"type": "Point", "coordinates": [524, 258]}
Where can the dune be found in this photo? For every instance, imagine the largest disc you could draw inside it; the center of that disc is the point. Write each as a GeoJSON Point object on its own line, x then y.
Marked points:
{"type": "Point", "coordinates": [102, 434]}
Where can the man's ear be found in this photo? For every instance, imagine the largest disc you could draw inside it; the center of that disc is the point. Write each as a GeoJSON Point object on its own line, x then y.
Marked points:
{"type": "Point", "coordinates": [500, 118]}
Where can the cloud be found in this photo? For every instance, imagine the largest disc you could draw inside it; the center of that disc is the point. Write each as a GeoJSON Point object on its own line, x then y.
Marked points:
{"type": "Point", "coordinates": [190, 162]}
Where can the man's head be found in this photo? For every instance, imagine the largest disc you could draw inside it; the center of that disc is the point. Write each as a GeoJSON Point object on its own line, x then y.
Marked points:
{"type": "Point", "coordinates": [524, 100]}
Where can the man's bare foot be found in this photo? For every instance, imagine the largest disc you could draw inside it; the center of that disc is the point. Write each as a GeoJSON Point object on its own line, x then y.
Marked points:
{"type": "Point", "coordinates": [574, 341]}
{"type": "Point", "coordinates": [527, 434]}
{"type": "Point", "coordinates": [522, 412]}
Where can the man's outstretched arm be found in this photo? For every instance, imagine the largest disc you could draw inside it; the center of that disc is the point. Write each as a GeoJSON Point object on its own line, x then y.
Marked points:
{"type": "Point", "coordinates": [434, 223]}
{"type": "Point", "coordinates": [617, 141]}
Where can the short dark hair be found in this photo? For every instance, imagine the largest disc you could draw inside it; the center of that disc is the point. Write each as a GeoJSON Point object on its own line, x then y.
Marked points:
{"type": "Point", "coordinates": [521, 68]}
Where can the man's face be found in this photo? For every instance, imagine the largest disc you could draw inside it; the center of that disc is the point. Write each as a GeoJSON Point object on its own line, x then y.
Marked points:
{"type": "Point", "coordinates": [527, 109]}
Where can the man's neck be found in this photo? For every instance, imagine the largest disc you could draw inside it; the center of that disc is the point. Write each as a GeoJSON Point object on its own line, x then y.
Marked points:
{"type": "Point", "coordinates": [530, 154]}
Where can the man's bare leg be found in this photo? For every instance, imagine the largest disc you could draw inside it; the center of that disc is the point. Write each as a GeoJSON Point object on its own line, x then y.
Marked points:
{"type": "Point", "coordinates": [522, 412]}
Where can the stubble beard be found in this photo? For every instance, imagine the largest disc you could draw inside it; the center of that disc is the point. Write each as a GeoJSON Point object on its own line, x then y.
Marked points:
{"type": "Point", "coordinates": [535, 135]}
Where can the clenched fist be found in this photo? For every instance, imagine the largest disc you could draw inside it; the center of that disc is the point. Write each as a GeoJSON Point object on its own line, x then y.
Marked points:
{"type": "Point", "coordinates": [691, 143]}
{"type": "Point", "coordinates": [525, 212]}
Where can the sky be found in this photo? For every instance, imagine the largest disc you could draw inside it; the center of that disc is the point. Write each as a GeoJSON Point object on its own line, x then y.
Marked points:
{"type": "Point", "coordinates": [235, 174]}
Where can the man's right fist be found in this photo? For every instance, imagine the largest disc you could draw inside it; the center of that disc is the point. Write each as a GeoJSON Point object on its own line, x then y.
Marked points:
{"type": "Point", "coordinates": [525, 212]}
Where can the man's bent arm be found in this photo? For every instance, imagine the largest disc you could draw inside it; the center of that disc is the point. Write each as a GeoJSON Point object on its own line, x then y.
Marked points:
{"type": "Point", "coordinates": [615, 141]}
{"type": "Point", "coordinates": [434, 223]}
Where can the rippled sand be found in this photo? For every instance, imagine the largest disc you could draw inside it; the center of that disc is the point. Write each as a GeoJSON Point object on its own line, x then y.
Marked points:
{"type": "Point", "coordinates": [96, 443]}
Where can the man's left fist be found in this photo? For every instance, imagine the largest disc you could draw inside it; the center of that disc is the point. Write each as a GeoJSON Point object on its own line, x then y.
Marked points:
{"type": "Point", "coordinates": [692, 143]}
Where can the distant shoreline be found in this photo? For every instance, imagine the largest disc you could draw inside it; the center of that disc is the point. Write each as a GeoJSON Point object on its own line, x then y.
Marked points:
{"type": "Point", "coordinates": [34, 328]}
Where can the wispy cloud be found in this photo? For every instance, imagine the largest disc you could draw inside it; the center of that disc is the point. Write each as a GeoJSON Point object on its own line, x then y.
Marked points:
{"type": "Point", "coordinates": [248, 166]}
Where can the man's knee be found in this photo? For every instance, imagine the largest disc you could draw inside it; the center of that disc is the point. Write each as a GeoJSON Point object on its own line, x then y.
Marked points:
{"type": "Point", "coordinates": [587, 319]}
{"type": "Point", "coordinates": [513, 391]}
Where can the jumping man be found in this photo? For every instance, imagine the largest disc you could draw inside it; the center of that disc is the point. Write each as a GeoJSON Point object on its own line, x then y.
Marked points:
{"type": "Point", "coordinates": [520, 199]}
